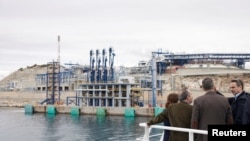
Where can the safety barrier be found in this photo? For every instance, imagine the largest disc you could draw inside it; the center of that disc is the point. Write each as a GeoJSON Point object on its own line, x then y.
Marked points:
{"type": "Point", "coordinates": [189, 130]}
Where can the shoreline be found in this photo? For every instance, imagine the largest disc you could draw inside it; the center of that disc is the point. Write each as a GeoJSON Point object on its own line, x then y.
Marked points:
{"type": "Point", "coordinates": [20, 99]}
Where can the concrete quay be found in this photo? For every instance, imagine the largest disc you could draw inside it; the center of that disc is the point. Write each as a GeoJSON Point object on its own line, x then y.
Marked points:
{"type": "Point", "coordinates": [109, 111]}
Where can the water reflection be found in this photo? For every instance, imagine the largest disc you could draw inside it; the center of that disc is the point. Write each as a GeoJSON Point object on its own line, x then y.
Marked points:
{"type": "Point", "coordinates": [100, 120]}
{"type": "Point", "coordinates": [66, 127]}
{"type": "Point", "coordinates": [75, 118]}
{"type": "Point", "coordinates": [50, 116]}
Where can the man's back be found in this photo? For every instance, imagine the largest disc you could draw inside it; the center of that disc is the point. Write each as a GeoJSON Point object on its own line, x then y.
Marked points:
{"type": "Point", "coordinates": [210, 109]}
{"type": "Point", "coordinates": [180, 116]}
{"type": "Point", "coordinates": [178, 112]}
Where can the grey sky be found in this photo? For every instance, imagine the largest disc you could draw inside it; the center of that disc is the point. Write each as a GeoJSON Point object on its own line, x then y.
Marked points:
{"type": "Point", "coordinates": [134, 28]}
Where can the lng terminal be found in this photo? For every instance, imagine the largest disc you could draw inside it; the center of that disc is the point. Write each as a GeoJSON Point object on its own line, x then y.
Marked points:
{"type": "Point", "coordinates": [101, 84]}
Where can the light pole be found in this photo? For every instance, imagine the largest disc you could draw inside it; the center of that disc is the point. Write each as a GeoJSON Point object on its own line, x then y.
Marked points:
{"type": "Point", "coordinates": [153, 80]}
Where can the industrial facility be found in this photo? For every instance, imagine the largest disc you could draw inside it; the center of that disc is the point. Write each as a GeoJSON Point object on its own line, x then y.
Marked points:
{"type": "Point", "coordinates": [104, 85]}
{"type": "Point", "coordinates": [101, 88]}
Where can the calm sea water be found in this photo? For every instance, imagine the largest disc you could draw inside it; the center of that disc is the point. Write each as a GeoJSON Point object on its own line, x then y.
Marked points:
{"type": "Point", "coordinates": [15, 125]}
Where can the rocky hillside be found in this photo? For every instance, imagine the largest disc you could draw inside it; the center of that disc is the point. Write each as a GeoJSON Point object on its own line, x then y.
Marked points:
{"type": "Point", "coordinates": [23, 77]}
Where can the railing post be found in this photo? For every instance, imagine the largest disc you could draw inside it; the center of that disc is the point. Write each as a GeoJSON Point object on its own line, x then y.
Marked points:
{"type": "Point", "coordinates": [191, 136]}
{"type": "Point", "coordinates": [162, 136]}
{"type": "Point", "coordinates": [146, 134]}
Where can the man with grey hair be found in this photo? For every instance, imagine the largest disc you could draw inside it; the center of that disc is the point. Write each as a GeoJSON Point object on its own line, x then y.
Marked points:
{"type": "Point", "coordinates": [180, 114]}
{"type": "Point", "coordinates": [209, 109]}
{"type": "Point", "coordinates": [186, 96]}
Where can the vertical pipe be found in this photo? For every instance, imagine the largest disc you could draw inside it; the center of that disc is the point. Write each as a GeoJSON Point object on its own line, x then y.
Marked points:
{"type": "Point", "coordinates": [103, 66]}
{"type": "Point", "coordinates": [99, 70]}
{"type": "Point", "coordinates": [103, 57]}
{"type": "Point", "coordinates": [105, 70]}
{"type": "Point", "coordinates": [153, 80]}
{"type": "Point", "coordinates": [93, 71]}
{"type": "Point", "coordinates": [90, 59]}
{"type": "Point", "coordinates": [96, 69]}
{"type": "Point", "coordinates": [90, 66]}
{"type": "Point", "coordinates": [110, 60]}
{"type": "Point", "coordinates": [58, 75]}
{"type": "Point", "coordinates": [97, 54]}
{"type": "Point", "coordinates": [112, 69]}
{"type": "Point", "coordinates": [110, 53]}
{"type": "Point", "coordinates": [58, 59]}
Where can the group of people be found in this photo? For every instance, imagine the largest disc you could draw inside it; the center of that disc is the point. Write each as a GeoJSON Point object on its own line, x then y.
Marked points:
{"type": "Point", "coordinates": [212, 108]}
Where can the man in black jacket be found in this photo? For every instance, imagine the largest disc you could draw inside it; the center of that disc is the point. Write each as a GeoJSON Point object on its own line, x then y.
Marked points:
{"type": "Point", "coordinates": [240, 103]}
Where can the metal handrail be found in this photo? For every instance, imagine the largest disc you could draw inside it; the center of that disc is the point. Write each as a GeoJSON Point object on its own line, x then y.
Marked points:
{"type": "Point", "coordinates": [189, 130]}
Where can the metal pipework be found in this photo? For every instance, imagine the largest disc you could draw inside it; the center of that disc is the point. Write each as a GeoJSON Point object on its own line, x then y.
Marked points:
{"type": "Point", "coordinates": [97, 56]}
{"type": "Point", "coordinates": [92, 75]}
{"type": "Point", "coordinates": [98, 75]}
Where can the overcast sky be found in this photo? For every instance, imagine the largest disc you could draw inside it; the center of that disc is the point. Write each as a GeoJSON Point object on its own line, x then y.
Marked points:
{"type": "Point", "coordinates": [134, 28]}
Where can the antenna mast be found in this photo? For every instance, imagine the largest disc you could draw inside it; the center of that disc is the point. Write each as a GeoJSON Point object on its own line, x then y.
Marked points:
{"type": "Point", "coordinates": [58, 58]}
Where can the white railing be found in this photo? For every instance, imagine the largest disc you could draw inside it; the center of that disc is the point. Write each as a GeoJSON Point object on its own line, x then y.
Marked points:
{"type": "Point", "coordinates": [189, 130]}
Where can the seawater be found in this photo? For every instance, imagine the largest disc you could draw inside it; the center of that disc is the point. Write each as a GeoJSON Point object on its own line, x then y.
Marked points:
{"type": "Point", "coordinates": [15, 125]}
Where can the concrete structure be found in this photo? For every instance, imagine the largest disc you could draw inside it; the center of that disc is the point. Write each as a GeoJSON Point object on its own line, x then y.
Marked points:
{"type": "Point", "coordinates": [139, 111]}
{"type": "Point", "coordinates": [106, 94]}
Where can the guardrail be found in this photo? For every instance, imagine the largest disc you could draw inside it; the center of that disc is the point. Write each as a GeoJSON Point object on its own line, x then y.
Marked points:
{"type": "Point", "coordinates": [189, 130]}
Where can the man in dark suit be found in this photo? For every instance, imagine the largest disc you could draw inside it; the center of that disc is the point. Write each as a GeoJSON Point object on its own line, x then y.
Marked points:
{"type": "Point", "coordinates": [204, 113]}
{"type": "Point", "coordinates": [240, 103]}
